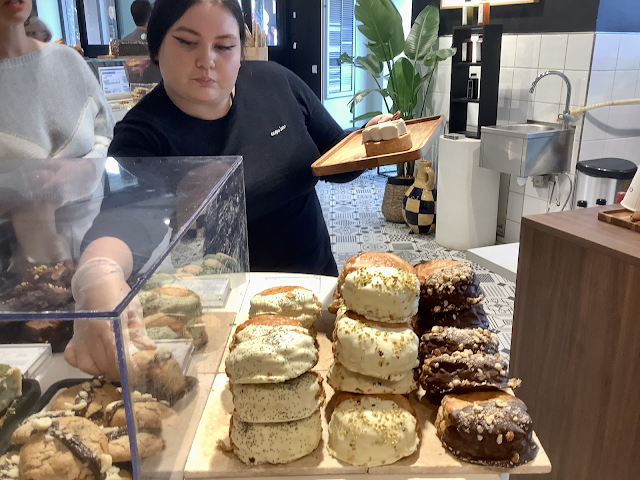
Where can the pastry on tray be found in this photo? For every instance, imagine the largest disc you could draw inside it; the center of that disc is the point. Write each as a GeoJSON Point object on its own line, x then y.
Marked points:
{"type": "Point", "coordinates": [88, 399]}
{"type": "Point", "coordinates": [173, 300]}
{"type": "Point", "coordinates": [295, 302]}
{"type": "Point", "coordinates": [283, 442]}
{"type": "Point", "coordinates": [262, 325]}
{"type": "Point", "coordinates": [343, 380]}
{"type": "Point", "coordinates": [474, 317]}
{"type": "Point", "coordinates": [365, 260]}
{"type": "Point", "coordinates": [292, 400]}
{"type": "Point", "coordinates": [149, 444]}
{"type": "Point", "coordinates": [66, 447]}
{"type": "Point", "coordinates": [159, 374]}
{"type": "Point", "coordinates": [386, 137]}
{"type": "Point", "coordinates": [279, 355]}
{"type": "Point", "coordinates": [465, 370]}
{"type": "Point", "coordinates": [10, 389]}
{"type": "Point", "coordinates": [486, 428]}
{"type": "Point", "coordinates": [448, 286]}
{"type": "Point", "coordinates": [441, 340]}
{"type": "Point", "coordinates": [383, 350]}
{"type": "Point", "coordinates": [373, 430]}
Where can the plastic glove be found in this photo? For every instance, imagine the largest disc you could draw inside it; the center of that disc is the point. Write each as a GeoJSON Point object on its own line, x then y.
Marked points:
{"type": "Point", "coordinates": [99, 285]}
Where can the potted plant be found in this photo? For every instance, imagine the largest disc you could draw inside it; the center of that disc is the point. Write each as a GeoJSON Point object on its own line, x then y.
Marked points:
{"type": "Point", "coordinates": [404, 77]}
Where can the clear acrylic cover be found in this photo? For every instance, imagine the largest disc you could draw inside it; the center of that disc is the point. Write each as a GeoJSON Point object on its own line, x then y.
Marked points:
{"type": "Point", "coordinates": [161, 333]}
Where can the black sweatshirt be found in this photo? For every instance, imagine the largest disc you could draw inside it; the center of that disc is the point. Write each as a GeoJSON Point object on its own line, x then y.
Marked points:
{"type": "Point", "coordinates": [280, 128]}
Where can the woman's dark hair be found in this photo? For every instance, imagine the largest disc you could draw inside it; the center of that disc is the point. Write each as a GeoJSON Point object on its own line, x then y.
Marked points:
{"type": "Point", "coordinates": [167, 12]}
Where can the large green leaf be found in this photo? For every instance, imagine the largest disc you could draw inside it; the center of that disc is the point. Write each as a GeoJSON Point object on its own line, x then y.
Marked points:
{"type": "Point", "coordinates": [423, 34]}
{"type": "Point", "coordinates": [359, 96]}
{"type": "Point", "coordinates": [381, 23]}
{"type": "Point", "coordinates": [436, 56]}
{"type": "Point", "coordinates": [345, 58]}
{"type": "Point", "coordinates": [370, 63]}
{"type": "Point", "coordinates": [405, 90]}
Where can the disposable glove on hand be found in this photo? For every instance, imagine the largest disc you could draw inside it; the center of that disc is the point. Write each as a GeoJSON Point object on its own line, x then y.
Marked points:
{"type": "Point", "coordinates": [99, 285]}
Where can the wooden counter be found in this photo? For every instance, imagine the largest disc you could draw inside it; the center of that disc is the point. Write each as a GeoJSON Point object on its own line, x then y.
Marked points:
{"type": "Point", "coordinates": [576, 342]}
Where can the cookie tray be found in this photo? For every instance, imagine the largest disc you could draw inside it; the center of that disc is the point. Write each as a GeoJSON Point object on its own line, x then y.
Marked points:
{"type": "Point", "coordinates": [207, 460]}
{"type": "Point", "coordinates": [349, 154]}
{"type": "Point", "coordinates": [26, 405]}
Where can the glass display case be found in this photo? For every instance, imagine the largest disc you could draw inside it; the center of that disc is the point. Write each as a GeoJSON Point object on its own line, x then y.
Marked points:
{"type": "Point", "coordinates": [125, 267]}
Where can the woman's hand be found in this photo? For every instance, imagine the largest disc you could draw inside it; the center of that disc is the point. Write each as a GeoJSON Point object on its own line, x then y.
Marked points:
{"type": "Point", "coordinates": [100, 285]}
{"type": "Point", "coordinates": [385, 117]}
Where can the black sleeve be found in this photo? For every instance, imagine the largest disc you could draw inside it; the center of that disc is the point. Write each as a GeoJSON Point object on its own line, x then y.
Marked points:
{"type": "Point", "coordinates": [324, 130]}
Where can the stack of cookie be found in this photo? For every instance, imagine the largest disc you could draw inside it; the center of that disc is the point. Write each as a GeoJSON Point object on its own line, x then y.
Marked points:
{"type": "Point", "coordinates": [276, 397]}
{"type": "Point", "coordinates": [375, 347]}
{"type": "Point", "coordinates": [375, 354]}
{"type": "Point", "coordinates": [477, 421]}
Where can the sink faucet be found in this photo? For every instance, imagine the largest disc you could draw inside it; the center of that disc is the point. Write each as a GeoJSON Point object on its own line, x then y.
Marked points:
{"type": "Point", "coordinates": [566, 116]}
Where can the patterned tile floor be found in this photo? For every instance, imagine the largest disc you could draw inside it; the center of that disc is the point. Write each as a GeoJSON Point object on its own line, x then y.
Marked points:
{"type": "Point", "coordinates": [353, 214]}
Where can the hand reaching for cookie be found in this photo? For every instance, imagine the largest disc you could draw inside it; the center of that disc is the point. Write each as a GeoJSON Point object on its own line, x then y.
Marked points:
{"type": "Point", "coordinates": [99, 285]}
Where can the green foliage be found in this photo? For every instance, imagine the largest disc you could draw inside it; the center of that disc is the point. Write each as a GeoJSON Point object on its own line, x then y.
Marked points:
{"type": "Point", "coordinates": [381, 24]}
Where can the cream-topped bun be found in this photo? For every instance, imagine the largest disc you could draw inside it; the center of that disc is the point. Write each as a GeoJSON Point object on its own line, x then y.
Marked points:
{"type": "Point", "coordinates": [280, 355]}
{"type": "Point", "coordinates": [383, 294]}
{"type": "Point", "coordinates": [364, 260]}
{"type": "Point", "coordinates": [263, 325]}
{"type": "Point", "coordinates": [279, 402]}
{"type": "Point", "coordinates": [387, 351]}
{"type": "Point", "coordinates": [373, 430]}
{"type": "Point", "coordinates": [256, 443]}
{"type": "Point", "coordinates": [294, 302]}
{"type": "Point", "coordinates": [384, 131]}
{"type": "Point", "coordinates": [344, 380]}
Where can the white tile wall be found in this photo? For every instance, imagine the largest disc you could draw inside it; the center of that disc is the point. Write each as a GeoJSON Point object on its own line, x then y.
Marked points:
{"type": "Point", "coordinates": [615, 75]}
{"type": "Point", "coordinates": [601, 68]}
{"type": "Point", "coordinates": [553, 52]}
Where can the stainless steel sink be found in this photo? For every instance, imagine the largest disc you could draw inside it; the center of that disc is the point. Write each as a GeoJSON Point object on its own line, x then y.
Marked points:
{"type": "Point", "coordinates": [527, 128]}
{"type": "Point", "coordinates": [533, 148]}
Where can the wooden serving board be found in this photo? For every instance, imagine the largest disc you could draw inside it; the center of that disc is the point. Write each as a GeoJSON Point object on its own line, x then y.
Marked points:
{"type": "Point", "coordinates": [620, 217]}
{"type": "Point", "coordinates": [208, 460]}
{"type": "Point", "coordinates": [349, 155]}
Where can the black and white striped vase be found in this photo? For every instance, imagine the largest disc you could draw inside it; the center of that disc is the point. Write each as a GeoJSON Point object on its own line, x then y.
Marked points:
{"type": "Point", "coordinates": [419, 202]}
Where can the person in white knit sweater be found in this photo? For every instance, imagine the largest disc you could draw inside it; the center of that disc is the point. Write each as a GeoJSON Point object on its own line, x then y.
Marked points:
{"type": "Point", "coordinates": [53, 108]}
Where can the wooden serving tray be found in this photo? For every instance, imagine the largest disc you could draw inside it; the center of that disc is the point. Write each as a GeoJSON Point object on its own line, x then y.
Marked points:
{"type": "Point", "coordinates": [349, 155]}
{"type": "Point", "coordinates": [620, 217]}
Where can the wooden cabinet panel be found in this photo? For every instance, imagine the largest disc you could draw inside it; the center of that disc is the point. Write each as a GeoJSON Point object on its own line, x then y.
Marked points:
{"type": "Point", "coordinates": [576, 343]}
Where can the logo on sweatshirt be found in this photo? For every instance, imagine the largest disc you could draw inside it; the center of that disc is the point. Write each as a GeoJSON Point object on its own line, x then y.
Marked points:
{"type": "Point", "coordinates": [278, 130]}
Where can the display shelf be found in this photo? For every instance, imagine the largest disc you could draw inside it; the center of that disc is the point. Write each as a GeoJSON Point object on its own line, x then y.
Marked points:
{"type": "Point", "coordinates": [489, 78]}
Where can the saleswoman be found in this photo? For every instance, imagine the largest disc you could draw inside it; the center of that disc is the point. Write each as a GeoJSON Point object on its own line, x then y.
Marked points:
{"type": "Point", "coordinates": [210, 103]}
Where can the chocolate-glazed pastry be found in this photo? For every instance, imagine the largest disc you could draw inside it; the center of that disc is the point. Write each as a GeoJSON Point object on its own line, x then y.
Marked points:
{"type": "Point", "coordinates": [35, 298]}
{"type": "Point", "coordinates": [441, 340]}
{"type": "Point", "coordinates": [56, 332]}
{"type": "Point", "coordinates": [486, 428]}
{"type": "Point", "coordinates": [59, 274]}
{"type": "Point", "coordinates": [474, 317]}
{"type": "Point", "coordinates": [448, 286]}
{"type": "Point", "coordinates": [463, 371]}
{"type": "Point", "coordinates": [159, 374]}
